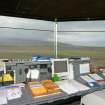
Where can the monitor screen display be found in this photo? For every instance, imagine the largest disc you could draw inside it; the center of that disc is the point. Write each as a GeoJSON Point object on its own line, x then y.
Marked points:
{"type": "Point", "coordinates": [60, 66]}
{"type": "Point", "coordinates": [84, 68]}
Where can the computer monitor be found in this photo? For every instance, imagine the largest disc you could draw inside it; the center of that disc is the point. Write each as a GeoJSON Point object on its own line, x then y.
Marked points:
{"type": "Point", "coordinates": [84, 68]}
{"type": "Point", "coordinates": [60, 67]}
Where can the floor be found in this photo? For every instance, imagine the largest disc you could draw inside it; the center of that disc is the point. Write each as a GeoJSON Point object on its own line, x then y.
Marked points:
{"type": "Point", "coordinates": [74, 103]}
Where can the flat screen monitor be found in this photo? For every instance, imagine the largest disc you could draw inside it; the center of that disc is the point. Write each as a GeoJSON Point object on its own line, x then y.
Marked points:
{"type": "Point", "coordinates": [84, 68]}
{"type": "Point", "coordinates": [60, 67]}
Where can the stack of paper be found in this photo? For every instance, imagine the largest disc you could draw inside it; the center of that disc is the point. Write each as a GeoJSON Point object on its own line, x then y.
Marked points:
{"type": "Point", "coordinates": [33, 74]}
{"type": "Point", "coordinates": [80, 86]}
{"type": "Point", "coordinates": [13, 92]}
{"type": "Point", "coordinates": [50, 86]}
{"type": "Point", "coordinates": [21, 85]}
{"type": "Point", "coordinates": [37, 88]}
{"type": "Point", "coordinates": [3, 98]}
{"type": "Point", "coordinates": [71, 86]}
{"type": "Point", "coordinates": [67, 87]}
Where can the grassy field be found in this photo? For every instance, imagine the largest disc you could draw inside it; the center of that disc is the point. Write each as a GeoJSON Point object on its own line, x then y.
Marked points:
{"type": "Point", "coordinates": [97, 54]}
{"type": "Point", "coordinates": [24, 53]}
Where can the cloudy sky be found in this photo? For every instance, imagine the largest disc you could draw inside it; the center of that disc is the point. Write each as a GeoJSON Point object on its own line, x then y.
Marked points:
{"type": "Point", "coordinates": [86, 38]}
{"type": "Point", "coordinates": [89, 35]}
{"type": "Point", "coordinates": [13, 22]}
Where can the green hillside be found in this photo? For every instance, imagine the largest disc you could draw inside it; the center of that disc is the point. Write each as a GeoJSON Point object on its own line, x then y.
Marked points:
{"type": "Point", "coordinates": [25, 49]}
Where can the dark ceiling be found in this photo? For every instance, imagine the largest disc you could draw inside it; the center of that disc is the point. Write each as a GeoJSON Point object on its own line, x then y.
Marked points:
{"type": "Point", "coordinates": [50, 9]}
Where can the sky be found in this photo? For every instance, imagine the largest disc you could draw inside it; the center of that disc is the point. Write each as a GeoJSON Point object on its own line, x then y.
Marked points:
{"type": "Point", "coordinates": [76, 38]}
{"type": "Point", "coordinates": [27, 24]}
{"type": "Point", "coordinates": [87, 38]}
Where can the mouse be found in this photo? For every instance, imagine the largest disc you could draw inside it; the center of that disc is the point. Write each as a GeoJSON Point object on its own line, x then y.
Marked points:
{"type": "Point", "coordinates": [91, 84]}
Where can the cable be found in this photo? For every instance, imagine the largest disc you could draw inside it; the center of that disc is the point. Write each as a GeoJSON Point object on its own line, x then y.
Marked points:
{"type": "Point", "coordinates": [82, 31]}
{"type": "Point", "coordinates": [51, 30]}
{"type": "Point", "coordinates": [26, 29]}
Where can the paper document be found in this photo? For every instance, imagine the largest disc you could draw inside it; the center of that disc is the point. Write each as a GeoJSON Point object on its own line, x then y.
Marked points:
{"type": "Point", "coordinates": [67, 87]}
{"type": "Point", "coordinates": [33, 74]}
{"type": "Point", "coordinates": [80, 86]}
{"type": "Point", "coordinates": [14, 93]}
{"type": "Point", "coordinates": [84, 68]}
{"type": "Point", "coordinates": [2, 66]}
{"type": "Point", "coordinates": [87, 78]}
{"type": "Point", "coordinates": [71, 86]}
{"type": "Point", "coordinates": [96, 77]}
{"type": "Point", "coordinates": [3, 98]}
{"type": "Point", "coordinates": [21, 85]}
{"type": "Point", "coordinates": [29, 74]}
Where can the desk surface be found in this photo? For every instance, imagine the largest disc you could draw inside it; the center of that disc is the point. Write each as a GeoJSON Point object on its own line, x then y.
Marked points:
{"type": "Point", "coordinates": [100, 94]}
{"type": "Point", "coordinates": [27, 98]}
